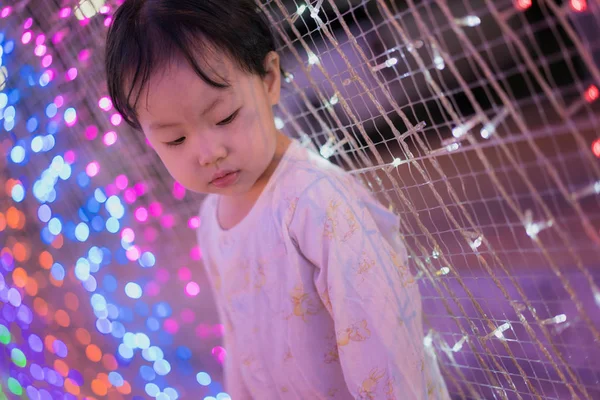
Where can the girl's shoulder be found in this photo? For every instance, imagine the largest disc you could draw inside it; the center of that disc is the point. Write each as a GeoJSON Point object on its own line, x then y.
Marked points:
{"type": "Point", "coordinates": [304, 170]}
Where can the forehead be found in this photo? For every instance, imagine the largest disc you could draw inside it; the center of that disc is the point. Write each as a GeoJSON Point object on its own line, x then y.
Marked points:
{"type": "Point", "coordinates": [178, 86]}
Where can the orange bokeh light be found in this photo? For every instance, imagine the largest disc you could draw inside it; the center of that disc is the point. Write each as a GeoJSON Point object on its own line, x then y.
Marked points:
{"type": "Point", "coordinates": [83, 336]}
{"type": "Point", "coordinates": [71, 387]}
{"type": "Point", "coordinates": [62, 318]}
{"type": "Point", "coordinates": [125, 388]}
{"type": "Point", "coordinates": [93, 352]}
{"type": "Point", "coordinates": [31, 287]}
{"type": "Point", "coordinates": [71, 301]}
{"type": "Point", "coordinates": [55, 282]}
{"type": "Point", "coordinates": [40, 306]}
{"type": "Point", "coordinates": [58, 242]}
{"type": "Point", "coordinates": [99, 388]}
{"type": "Point", "coordinates": [21, 252]}
{"type": "Point", "coordinates": [110, 362]}
{"type": "Point", "coordinates": [46, 260]}
{"type": "Point", "coordinates": [48, 342]}
{"type": "Point", "coordinates": [12, 217]}
{"type": "Point", "coordinates": [102, 377]}
{"type": "Point", "coordinates": [19, 277]}
{"type": "Point", "coordinates": [61, 367]}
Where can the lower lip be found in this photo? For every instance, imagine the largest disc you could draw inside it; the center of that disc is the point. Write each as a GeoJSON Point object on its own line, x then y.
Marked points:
{"type": "Point", "coordinates": [227, 180]}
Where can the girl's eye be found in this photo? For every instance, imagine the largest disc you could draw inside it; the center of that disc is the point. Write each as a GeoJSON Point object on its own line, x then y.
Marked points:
{"type": "Point", "coordinates": [176, 142]}
{"type": "Point", "coordinates": [229, 119]}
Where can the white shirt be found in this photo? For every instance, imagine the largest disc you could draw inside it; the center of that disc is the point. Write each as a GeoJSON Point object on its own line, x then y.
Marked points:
{"type": "Point", "coordinates": [314, 293]}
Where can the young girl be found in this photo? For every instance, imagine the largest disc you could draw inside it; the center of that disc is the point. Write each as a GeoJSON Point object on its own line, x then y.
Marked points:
{"type": "Point", "coordinates": [307, 267]}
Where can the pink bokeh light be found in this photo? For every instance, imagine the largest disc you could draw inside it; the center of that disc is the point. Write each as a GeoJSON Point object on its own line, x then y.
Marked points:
{"type": "Point", "coordinates": [46, 61]}
{"type": "Point", "coordinates": [171, 326]}
{"type": "Point", "coordinates": [141, 214]}
{"type": "Point", "coordinates": [203, 331]}
{"type": "Point", "coordinates": [5, 12]}
{"type": "Point", "coordinates": [72, 73]}
{"type": "Point", "coordinates": [152, 289]}
{"type": "Point", "coordinates": [168, 221]}
{"type": "Point", "coordinates": [196, 253]}
{"type": "Point", "coordinates": [178, 191]}
{"type": "Point", "coordinates": [40, 50]}
{"type": "Point", "coordinates": [28, 23]}
{"type": "Point", "coordinates": [162, 275]}
{"type": "Point", "coordinates": [40, 39]}
{"type": "Point", "coordinates": [26, 37]}
{"type": "Point", "coordinates": [187, 315]}
{"type": "Point", "coordinates": [219, 354]}
{"type": "Point", "coordinates": [59, 101]}
{"type": "Point", "coordinates": [192, 289]}
{"type": "Point", "coordinates": [105, 104]}
{"type": "Point", "coordinates": [194, 222]}
{"type": "Point", "coordinates": [70, 157]}
{"type": "Point", "coordinates": [140, 188]}
{"type": "Point", "coordinates": [130, 196]}
{"type": "Point", "coordinates": [111, 190]}
{"type": "Point", "coordinates": [184, 274]}
{"type": "Point", "coordinates": [91, 132]}
{"type": "Point", "coordinates": [92, 169]}
{"type": "Point", "coordinates": [133, 253]}
{"type": "Point", "coordinates": [128, 235]}
{"type": "Point", "coordinates": [84, 55]}
{"type": "Point", "coordinates": [110, 138]}
{"type": "Point", "coordinates": [121, 181]}
{"type": "Point", "coordinates": [59, 36]}
{"type": "Point", "coordinates": [150, 234]}
{"type": "Point", "coordinates": [156, 209]}
{"type": "Point", "coordinates": [116, 119]}
{"type": "Point", "coordinates": [65, 12]}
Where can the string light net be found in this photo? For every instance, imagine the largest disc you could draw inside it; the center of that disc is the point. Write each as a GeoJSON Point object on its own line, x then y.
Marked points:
{"type": "Point", "coordinates": [475, 120]}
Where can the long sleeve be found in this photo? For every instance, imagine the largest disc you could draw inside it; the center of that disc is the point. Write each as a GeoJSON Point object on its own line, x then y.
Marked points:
{"type": "Point", "coordinates": [365, 285]}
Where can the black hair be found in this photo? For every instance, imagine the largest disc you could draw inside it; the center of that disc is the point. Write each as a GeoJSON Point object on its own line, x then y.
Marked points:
{"type": "Point", "coordinates": [145, 35]}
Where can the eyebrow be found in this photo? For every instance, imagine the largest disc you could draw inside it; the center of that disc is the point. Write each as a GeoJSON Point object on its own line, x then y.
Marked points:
{"type": "Point", "coordinates": [163, 125]}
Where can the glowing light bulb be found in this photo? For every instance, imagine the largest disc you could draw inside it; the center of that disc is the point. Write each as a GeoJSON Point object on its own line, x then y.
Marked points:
{"type": "Point", "coordinates": [470, 21]}
{"type": "Point", "coordinates": [596, 148]}
{"type": "Point", "coordinates": [591, 94]}
{"type": "Point", "coordinates": [523, 5]}
{"type": "Point", "coordinates": [578, 5]}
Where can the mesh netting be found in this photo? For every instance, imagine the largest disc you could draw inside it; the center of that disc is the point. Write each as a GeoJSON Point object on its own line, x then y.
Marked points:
{"type": "Point", "coordinates": [475, 120]}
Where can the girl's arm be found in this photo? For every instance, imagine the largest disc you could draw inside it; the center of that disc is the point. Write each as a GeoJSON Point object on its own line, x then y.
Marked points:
{"type": "Point", "coordinates": [365, 285]}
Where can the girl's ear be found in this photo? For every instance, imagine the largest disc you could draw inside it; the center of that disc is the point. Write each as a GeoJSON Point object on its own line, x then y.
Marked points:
{"type": "Point", "coordinates": [272, 80]}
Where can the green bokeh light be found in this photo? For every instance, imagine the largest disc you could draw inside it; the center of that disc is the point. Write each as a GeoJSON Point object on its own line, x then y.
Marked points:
{"type": "Point", "coordinates": [15, 387]}
{"type": "Point", "coordinates": [18, 358]}
{"type": "Point", "coordinates": [4, 335]}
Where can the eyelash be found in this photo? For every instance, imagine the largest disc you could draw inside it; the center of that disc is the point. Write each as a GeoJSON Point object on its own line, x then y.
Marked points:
{"type": "Point", "coordinates": [226, 121]}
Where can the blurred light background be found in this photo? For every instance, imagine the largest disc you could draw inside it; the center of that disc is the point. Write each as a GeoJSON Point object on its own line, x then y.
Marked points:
{"type": "Point", "coordinates": [476, 121]}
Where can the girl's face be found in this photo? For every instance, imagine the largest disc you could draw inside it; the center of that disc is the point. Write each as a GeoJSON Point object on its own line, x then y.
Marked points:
{"type": "Point", "coordinates": [212, 140]}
